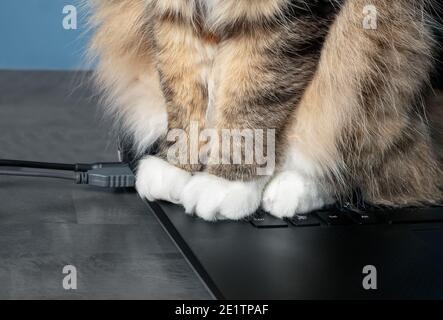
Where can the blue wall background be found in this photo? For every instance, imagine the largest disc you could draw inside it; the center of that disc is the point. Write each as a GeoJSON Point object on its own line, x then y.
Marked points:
{"type": "Point", "coordinates": [32, 36]}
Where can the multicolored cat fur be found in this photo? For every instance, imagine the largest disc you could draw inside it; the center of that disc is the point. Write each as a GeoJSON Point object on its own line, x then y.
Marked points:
{"type": "Point", "coordinates": [347, 103]}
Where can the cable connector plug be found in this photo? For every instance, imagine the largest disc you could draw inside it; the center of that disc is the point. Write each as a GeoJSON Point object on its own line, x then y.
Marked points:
{"type": "Point", "coordinates": [117, 175]}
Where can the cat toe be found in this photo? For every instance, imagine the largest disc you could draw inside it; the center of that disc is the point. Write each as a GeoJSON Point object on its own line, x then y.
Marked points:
{"type": "Point", "coordinates": [159, 180]}
{"type": "Point", "coordinates": [241, 200]}
{"type": "Point", "coordinates": [203, 195]}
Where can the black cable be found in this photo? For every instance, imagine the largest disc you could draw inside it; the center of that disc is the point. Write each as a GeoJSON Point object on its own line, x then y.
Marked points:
{"type": "Point", "coordinates": [36, 174]}
{"type": "Point", "coordinates": [37, 165]}
{"type": "Point", "coordinates": [77, 167]}
{"type": "Point", "coordinates": [101, 174]}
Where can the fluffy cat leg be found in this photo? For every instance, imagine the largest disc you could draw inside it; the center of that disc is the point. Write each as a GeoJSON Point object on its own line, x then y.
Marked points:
{"type": "Point", "coordinates": [182, 66]}
{"type": "Point", "coordinates": [184, 60]}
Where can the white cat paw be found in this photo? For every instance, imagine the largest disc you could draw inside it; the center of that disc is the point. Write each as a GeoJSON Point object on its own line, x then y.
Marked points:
{"type": "Point", "coordinates": [212, 198]}
{"type": "Point", "coordinates": [159, 180]}
{"type": "Point", "coordinates": [290, 193]}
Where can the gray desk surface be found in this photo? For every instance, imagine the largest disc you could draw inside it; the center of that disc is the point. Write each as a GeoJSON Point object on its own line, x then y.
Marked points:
{"type": "Point", "coordinates": [119, 249]}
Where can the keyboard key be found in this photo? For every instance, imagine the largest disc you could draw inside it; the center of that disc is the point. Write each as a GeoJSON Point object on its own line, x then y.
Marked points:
{"type": "Point", "coordinates": [365, 218]}
{"type": "Point", "coordinates": [264, 220]}
{"type": "Point", "coordinates": [416, 215]}
{"type": "Point", "coordinates": [334, 218]}
{"type": "Point", "coordinates": [305, 220]}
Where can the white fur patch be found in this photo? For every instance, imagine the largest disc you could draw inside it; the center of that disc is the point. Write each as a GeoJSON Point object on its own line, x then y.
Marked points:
{"type": "Point", "coordinates": [297, 160]}
{"type": "Point", "coordinates": [137, 104]}
{"type": "Point", "coordinates": [211, 197]}
{"type": "Point", "coordinates": [159, 180]}
{"type": "Point", "coordinates": [145, 113]}
{"type": "Point", "coordinates": [147, 126]}
{"type": "Point", "coordinates": [291, 193]}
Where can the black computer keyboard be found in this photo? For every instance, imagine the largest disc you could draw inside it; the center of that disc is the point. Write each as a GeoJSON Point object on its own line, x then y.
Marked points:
{"type": "Point", "coordinates": [315, 256]}
{"type": "Point", "coordinates": [344, 217]}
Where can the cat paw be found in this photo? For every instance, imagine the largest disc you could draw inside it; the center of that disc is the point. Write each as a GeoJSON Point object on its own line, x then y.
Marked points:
{"type": "Point", "coordinates": [290, 193]}
{"type": "Point", "coordinates": [214, 198]}
{"type": "Point", "coordinates": [159, 180]}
